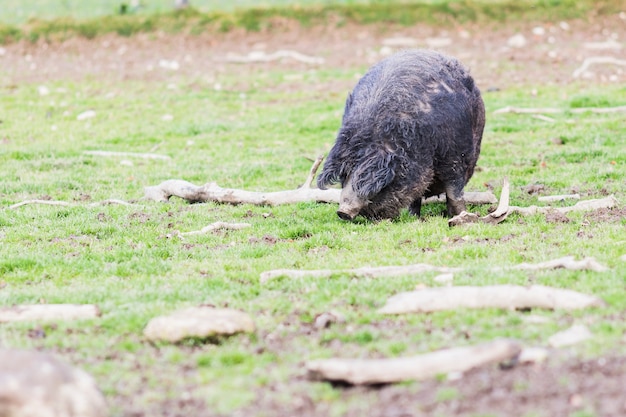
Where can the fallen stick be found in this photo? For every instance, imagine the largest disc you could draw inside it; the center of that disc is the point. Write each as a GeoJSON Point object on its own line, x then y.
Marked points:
{"type": "Point", "coordinates": [212, 192]}
{"type": "Point", "coordinates": [567, 262]}
{"type": "Point", "coordinates": [128, 154]}
{"type": "Point", "coordinates": [261, 56]}
{"type": "Point", "coordinates": [597, 60]}
{"type": "Point", "coordinates": [68, 204]}
{"type": "Point", "coordinates": [562, 197]}
{"type": "Point", "coordinates": [511, 297]}
{"type": "Point", "coordinates": [420, 367]}
{"type": "Point", "coordinates": [365, 272]}
{"type": "Point", "coordinates": [584, 205]}
{"type": "Point", "coordinates": [47, 312]}
{"type": "Point", "coordinates": [504, 210]}
{"type": "Point", "coordinates": [45, 202]}
{"type": "Point", "coordinates": [541, 110]}
{"type": "Point", "coordinates": [216, 226]}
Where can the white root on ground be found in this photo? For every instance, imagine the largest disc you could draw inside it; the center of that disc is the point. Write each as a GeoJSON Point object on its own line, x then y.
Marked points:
{"type": "Point", "coordinates": [492, 296]}
{"type": "Point", "coordinates": [420, 367]}
{"type": "Point", "coordinates": [561, 197]}
{"type": "Point", "coordinates": [504, 210]}
{"type": "Point", "coordinates": [128, 154]}
{"type": "Point", "coordinates": [214, 193]}
{"type": "Point", "coordinates": [262, 56]}
{"type": "Point", "coordinates": [365, 272]}
{"type": "Point", "coordinates": [567, 262]}
{"type": "Point", "coordinates": [216, 226]}
{"type": "Point", "coordinates": [541, 110]}
{"type": "Point", "coordinates": [45, 312]}
{"type": "Point", "coordinates": [67, 204]}
{"type": "Point", "coordinates": [597, 60]}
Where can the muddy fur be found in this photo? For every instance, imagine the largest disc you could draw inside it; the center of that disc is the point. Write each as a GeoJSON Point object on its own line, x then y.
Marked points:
{"type": "Point", "coordinates": [411, 127]}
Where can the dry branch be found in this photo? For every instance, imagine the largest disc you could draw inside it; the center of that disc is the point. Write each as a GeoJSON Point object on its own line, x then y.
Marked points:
{"type": "Point", "coordinates": [46, 312]}
{"type": "Point", "coordinates": [216, 226]}
{"type": "Point", "coordinates": [567, 262]}
{"type": "Point", "coordinates": [503, 210]}
{"type": "Point", "coordinates": [597, 60]}
{"type": "Point", "coordinates": [561, 197]}
{"type": "Point", "coordinates": [262, 56]}
{"type": "Point", "coordinates": [128, 154]}
{"type": "Point", "coordinates": [585, 205]}
{"type": "Point", "coordinates": [428, 365]}
{"type": "Point", "coordinates": [365, 272]}
{"type": "Point", "coordinates": [214, 193]}
{"type": "Point", "coordinates": [541, 110]}
{"type": "Point", "coordinates": [492, 296]}
{"type": "Point", "coordinates": [67, 204]}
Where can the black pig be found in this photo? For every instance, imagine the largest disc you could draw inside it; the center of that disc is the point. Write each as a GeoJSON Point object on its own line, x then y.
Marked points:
{"type": "Point", "coordinates": [411, 128]}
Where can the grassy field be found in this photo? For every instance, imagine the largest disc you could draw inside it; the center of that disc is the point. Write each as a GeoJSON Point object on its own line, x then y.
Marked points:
{"type": "Point", "coordinates": [122, 259]}
{"type": "Point", "coordinates": [128, 260]}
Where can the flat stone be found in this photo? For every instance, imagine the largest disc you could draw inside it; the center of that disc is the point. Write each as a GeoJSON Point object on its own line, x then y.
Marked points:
{"type": "Point", "coordinates": [576, 334]}
{"type": "Point", "coordinates": [198, 322]}
{"type": "Point", "coordinates": [36, 384]}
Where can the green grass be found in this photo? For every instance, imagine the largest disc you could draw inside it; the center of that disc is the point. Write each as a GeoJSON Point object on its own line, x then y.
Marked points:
{"type": "Point", "coordinates": [64, 18]}
{"type": "Point", "coordinates": [129, 262]}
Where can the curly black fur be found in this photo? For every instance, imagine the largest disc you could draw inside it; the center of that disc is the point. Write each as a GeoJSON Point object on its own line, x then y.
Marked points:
{"type": "Point", "coordinates": [412, 127]}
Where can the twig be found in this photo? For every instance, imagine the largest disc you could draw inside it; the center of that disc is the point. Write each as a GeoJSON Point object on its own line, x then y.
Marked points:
{"type": "Point", "coordinates": [216, 226]}
{"type": "Point", "coordinates": [567, 262]}
{"type": "Point", "coordinates": [365, 272]}
{"type": "Point", "coordinates": [540, 110]}
{"type": "Point", "coordinates": [543, 118]}
{"type": "Point", "coordinates": [492, 296]}
{"type": "Point", "coordinates": [597, 60]}
{"type": "Point", "coordinates": [312, 172]}
{"type": "Point", "coordinates": [420, 367]}
{"type": "Point", "coordinates": [67, 204]}
{"type": "Point", "coordinates": [261, 56]}
{"type": "Point", "coordinates": [562, 197]}
{"type": "Point", "coordinates": [584, 205]}
{"type": "Point", "coordinates": [128, 154]}
{"type": "Point", "coordinates": [47, 202]}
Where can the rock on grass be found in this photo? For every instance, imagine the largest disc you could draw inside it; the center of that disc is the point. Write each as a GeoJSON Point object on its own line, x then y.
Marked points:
{"type": "Point", "coordinates": [198, 322]}
{"type": "Point", "coordinates": [35, 384]}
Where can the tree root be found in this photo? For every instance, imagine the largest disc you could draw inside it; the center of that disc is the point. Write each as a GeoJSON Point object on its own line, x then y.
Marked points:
{"type": "Point", "coordinates": [541, 110]}
{"type": "Point", "coordinates": [491, 296]}
{"type": "Point", "coordinates": [212, 192]}
{"type": "Point", "coordinates": [567, 262]}
{"type": "Point", "coordinates": [215, 226]}
{"type": "Point", "coordinates": [420, 367]}
{"type": "Point", "coordinates": [68, 204]}
{"type": "Point", "coordinates": [504, 209]}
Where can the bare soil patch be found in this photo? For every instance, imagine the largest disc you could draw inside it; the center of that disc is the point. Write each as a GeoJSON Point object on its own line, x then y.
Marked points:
{"type": "Point", "coordinates": [548, 54]}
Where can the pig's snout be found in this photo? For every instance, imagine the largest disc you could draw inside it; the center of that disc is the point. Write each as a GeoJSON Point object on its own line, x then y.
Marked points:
{"type": "Point", "coordinates": [350, 204]}
{"type": "Point", "coordinates": [346, 215]}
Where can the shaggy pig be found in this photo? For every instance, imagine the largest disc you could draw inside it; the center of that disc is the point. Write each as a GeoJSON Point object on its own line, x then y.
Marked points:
{"type": "Point", "coordinates": [411, 128]}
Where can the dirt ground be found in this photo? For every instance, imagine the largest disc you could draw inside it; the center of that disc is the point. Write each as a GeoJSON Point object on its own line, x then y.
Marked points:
{"type": "Point", "coordinates": [548, 54]}
{"type": "Point", "coordinates": [519, 53]}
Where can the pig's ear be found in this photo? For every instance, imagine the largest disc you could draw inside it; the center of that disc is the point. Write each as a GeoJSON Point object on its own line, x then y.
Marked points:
{"type": "Point", "coordinates": [375, 173]}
